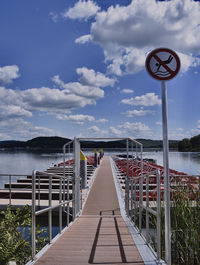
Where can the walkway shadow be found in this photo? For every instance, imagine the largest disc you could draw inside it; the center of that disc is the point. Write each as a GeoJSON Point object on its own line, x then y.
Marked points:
{"type": "Point", "coordinates": [111, 214]}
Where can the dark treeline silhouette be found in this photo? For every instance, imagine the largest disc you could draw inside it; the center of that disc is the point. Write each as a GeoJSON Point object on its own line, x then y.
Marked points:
{"type": "Point", "coordinates": [56, 143]}
{"type": "Point", "coordinates": [190, 145]}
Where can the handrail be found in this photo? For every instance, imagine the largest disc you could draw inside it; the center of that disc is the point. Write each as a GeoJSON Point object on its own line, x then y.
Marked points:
{"type": "Point", "coordinates": [10, 179]}
{"type": "Point", "coordinates": [47, 209]}
{"type": "Point", "coordinates": [146, 207]}
{"type": "Point", "coordinates": [64, 174]}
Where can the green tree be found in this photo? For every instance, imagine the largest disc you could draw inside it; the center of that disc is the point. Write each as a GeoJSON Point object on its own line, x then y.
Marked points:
{"type": "Point", "coordinates": [14, 245]}
{"type": "Point", "coordinates": [185, 145]}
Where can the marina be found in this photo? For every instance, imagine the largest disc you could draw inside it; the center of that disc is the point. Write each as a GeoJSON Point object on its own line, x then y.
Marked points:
{"type": "Point", "coordinates": [100, 202]}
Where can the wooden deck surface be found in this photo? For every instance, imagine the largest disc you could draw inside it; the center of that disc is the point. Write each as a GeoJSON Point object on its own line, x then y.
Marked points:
{"type": "Point", "coordinates": [99, 236]}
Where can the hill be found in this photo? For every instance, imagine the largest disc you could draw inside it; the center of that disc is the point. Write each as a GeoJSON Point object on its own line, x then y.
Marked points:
{"type": "Point", "coordinates": [56, 143]}
{"type": "Point", "coordinates": [38, 143]}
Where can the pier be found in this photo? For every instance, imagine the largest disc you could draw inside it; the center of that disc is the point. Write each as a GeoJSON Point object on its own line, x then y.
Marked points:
{"type": "Point", "coordinates": [104, 215]}
{"type": "Point", "coordinates": [98, 216]}
{"type": "Point", "coordinates": [99, 235]}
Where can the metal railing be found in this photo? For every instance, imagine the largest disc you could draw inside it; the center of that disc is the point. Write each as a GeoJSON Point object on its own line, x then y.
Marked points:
{"type": "Point", "coordinates": [9, 183]}
{"type": "Point", "coordinates": [60, 203]}
{"type": "Point", "coordinates": [68, 170]}
{"type": "Point", "coordinates": [139, 199]}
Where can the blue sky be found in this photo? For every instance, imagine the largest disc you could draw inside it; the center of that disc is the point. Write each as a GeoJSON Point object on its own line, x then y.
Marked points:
{"type": "Point", "coordinates": [77, 68]}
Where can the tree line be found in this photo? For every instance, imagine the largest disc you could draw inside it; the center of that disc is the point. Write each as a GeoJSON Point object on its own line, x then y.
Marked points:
{"type": "Point", "coordinates": [190, 145]}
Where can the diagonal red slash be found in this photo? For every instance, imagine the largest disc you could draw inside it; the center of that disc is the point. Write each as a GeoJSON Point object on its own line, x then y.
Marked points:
{"type": "Point", "coordinates": [163, 64]}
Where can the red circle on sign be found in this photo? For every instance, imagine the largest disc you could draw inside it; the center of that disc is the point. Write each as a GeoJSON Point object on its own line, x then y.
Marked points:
{"type": "Point", "coordinates": [168, 72]}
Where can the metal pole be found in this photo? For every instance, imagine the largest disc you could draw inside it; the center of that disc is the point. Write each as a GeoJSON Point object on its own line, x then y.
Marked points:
{"type": "Point", "coordinates": [50, 211]}
{"type": "Point", "coordinates": [158, 217]}
{"type": "Point", "coordinates": [68, 174]}
{"type": "Point", "coordinates": [33, 214]}
{"type": "Point", "coordinates": [141, 191]}
{"type": "Point", "coordinates": [127, 178]}
{"type": "Point", "coordinates": [147, 211]}
{"type": "Point", "coordinates": [39, 191]}
{"type": "Point", "coordinates": [64, 173]}
{"type": "Point", "coordinates": [166, 175]}
{"type": "Point", "coordinates": [60, 207]}
{"type": "Point", "coordinates": [10, 196]}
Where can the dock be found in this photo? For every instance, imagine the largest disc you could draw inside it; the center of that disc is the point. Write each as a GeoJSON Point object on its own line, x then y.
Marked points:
{"type": "Point", "coordinates": [99, 235]}
{"type": "Point", "coordinates": [19, 193]}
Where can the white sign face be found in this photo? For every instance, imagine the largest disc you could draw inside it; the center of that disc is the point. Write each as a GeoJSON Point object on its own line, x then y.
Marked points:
{"type": "Point", "coordinates": [163, 64]}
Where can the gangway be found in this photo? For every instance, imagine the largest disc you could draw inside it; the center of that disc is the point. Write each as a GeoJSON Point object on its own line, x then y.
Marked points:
{"type": "Point", "coordinates": [102, 232]}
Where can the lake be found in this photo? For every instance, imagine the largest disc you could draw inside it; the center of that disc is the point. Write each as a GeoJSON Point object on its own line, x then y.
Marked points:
{"type": "Point", "coordinates": [23, 162]}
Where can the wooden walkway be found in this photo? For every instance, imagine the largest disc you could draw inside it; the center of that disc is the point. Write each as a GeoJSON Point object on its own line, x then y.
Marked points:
{"type": "Point", "coordinates": [99, 235]}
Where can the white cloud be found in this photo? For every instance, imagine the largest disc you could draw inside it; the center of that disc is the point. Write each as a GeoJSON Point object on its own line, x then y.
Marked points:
{"type": "Point", "coordinates": [21, 103]}
{"type": "Point", "coordinates": [83, 39]}
{"type": "Point", "coordinates": [102, 120]}
{"type": "Point", "coordinates": [20, 129]}
{"type": "Point", "coordinates": [90, 78]}
{"type": "Point", "coordinates": [47, 99]}
{"type": "Point", "coordinates": [94, 129]}
{"type": "Point", "coordinates": [159, 123]}
{"type": "Point", "coordinates": [79, 89]}
{"type": "Point", "coordinates": [53, 16]}
{"type": "Point", "coordinates": [133, 130]}
{"type": "Point", "coordinates": [135, 126]}
{"type": "Point", "coordinates": [188, 61]}
{"type": "Point", "coordinates": [148, 99]}
{"type": "Point", "coordinates": [134, 60]}
{"type": "Point", "coordinates": [126, 36]}
{"type": "Point", "coordinates": [127, 91]}
{"type": "Point", "coordinates": [180, 129]}
{"type": "Point", "coordinates": [114, 131]}
{"type": "Point", "coordinates": [8, 73]}
{"type": "Point", "coordinates": [12, 111]}
{"type": "Point", "coordinates": [76, 119]}
{"type": "Point", "coordinates": [82, 10]}
{"type": "Point", "coordinates": [11, 105]}
{"type": "Point", "coordinates": [141, 112]}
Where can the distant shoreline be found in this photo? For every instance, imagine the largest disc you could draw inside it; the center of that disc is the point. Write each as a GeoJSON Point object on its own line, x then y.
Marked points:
{"type": "Point", "coordinates": [56, 143]}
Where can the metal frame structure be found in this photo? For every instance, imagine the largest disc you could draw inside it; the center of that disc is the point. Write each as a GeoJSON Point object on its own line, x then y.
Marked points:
{"type": "Point", "coordinates": [50, 207]}
{"type": "Point", "coordinates": [144, 205]}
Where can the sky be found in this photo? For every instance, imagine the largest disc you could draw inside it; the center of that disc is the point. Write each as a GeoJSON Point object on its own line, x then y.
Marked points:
{"type": "Point", "coordinates": [77, 68]}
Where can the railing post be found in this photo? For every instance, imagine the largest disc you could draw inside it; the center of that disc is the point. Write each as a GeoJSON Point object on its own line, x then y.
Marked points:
{"type": "Point", "coordinates": [135, 200]}
{"type": "Point", "coordinates": [127, 180]}
{"type": "Point", "coordinates": [50, 211]}
{"type": "Point", "coordinates": [39, 190]}
{"type": "Point", "coordinates": [147, 211]}
{"type": "Point", "coordinates": [10, 195]}
{"type": "Point", "coordinates": [141, 191]}
{"type": "Point", "coordinates": [60, 207]}
{"type": "Point", "coordinates": [158, 216]}
{"type": "Point", "coordinates": [64, 173]}
{"type": "Point", "coordinates": [33, 214]}
{"type": "Point", "coordinates": [131, 180]}
{"type": "Point", "coordinates": [77, 175]}
{"type": "Point", "coordinates": [68, 175]}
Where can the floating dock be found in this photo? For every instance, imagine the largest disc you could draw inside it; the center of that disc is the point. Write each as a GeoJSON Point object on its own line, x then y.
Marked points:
{"type": "Point", "coordinates": [100, 235]}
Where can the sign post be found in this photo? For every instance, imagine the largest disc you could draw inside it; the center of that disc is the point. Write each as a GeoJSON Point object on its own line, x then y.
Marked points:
{"type": "Point", "coordinates": [163, 64]}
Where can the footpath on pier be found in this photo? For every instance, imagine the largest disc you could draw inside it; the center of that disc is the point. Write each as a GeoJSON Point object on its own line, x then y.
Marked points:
{"type": "Point", "coordinates": [99, 235]}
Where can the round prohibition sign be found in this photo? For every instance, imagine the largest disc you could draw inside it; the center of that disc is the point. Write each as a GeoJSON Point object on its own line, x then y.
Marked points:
{"type": "Point", "coordinates": [163, 64]}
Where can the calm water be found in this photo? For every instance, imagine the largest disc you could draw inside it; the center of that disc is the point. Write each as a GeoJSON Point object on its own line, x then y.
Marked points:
{"type": "Point", "coordinates": [21, 162]}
